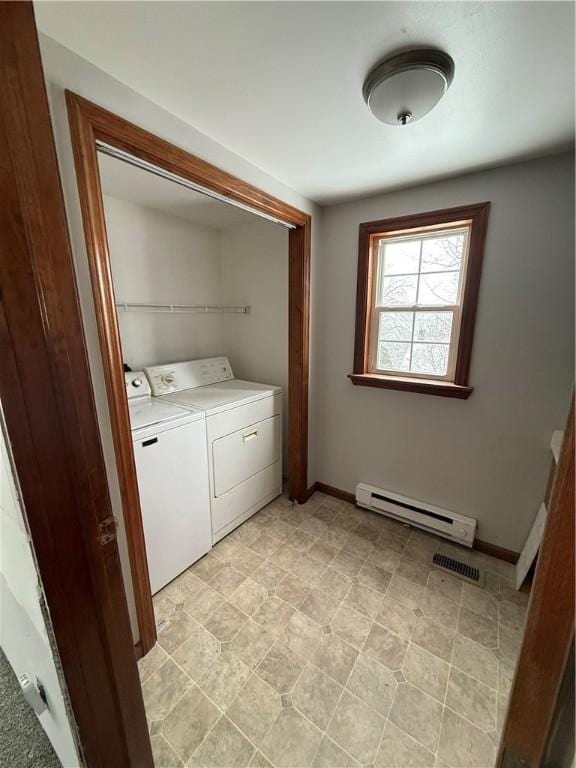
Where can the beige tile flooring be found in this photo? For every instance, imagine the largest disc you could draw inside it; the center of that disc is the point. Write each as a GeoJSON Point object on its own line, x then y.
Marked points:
{"type": "Point", "coordinates": [319, 635]}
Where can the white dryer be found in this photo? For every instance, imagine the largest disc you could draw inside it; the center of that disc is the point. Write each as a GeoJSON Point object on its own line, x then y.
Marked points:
{"type": "Point", "coordinates": [172, 469]}
{"type": "Point", "coordinates": [244, 434]}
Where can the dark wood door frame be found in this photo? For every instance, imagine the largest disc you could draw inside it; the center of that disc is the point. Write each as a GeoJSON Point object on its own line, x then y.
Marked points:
{"type": "Point", "coordinates": [549, 632]}
{"type": "Point", "coordinates": [51, 421]}
{"type": "Point", "coordinates": [90, 123]}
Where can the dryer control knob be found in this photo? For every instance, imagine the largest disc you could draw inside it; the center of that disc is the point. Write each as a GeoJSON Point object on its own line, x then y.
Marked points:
{"type": "Point", "coordinates": [168, 379]}
{"type": "Point", "coordinates": [137, 383]}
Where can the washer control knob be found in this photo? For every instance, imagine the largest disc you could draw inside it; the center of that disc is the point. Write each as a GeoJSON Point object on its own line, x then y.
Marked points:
{"type": "Point", "coordinates": [168, 379]}
{"type": "Point", "coordinates": [137, 382]}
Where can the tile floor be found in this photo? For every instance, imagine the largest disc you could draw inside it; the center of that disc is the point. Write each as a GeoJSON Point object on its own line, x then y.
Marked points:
{"type": "Point", "coordinates": [319, 636]}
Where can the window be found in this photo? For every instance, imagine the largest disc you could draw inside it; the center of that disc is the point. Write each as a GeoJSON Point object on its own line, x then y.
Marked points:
{"type": "Point", "coordinates": [418, 282]}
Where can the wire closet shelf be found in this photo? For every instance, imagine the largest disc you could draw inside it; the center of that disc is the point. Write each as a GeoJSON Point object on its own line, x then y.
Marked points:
{"type": "Point", "coordinates": [181, 309]}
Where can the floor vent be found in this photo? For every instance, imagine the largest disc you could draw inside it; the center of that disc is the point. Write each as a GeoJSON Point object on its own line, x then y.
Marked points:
{"type": "Point", "coordinates": [456, 568]}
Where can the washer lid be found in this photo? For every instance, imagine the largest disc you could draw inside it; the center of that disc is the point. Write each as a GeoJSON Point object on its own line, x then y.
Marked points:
{"type": "Point", "coordinates": [147, 412]}
{"type": "Point", "coordinates": [215, 398]}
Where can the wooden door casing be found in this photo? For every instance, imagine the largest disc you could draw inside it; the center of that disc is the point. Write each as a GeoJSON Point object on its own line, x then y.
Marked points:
{"type": "Point", "coordinates": [90, 123]}
{"type": "Point", "coordinates": [549, 630]}
{"type": "Point", "coordinates": [50, 418]}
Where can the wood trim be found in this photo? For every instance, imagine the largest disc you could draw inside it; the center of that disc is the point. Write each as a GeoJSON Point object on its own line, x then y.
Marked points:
{"type": "Point", "coordinates": [425, 220]}
{"type": "Point", "coordinates": [364, 289]}
{"type": "Point", "coordinates": [123, 134]}
{"type": "Point", "coordinates": [423, 386]}
{"type": "Point", "coordinates": [479, 216]}
{"type": "Point", "coordinates": [89, 123]}
{"type": "Point", "coordinates": [501, 553]}
{"type": "Point", "coordinates": [481, 546]}
{"type": "Point", "coordinates": [92, 207]}
{"type": "Point", "coordinates": [51, 419]}
{"type": "Point", "coordinates": [337, 493]}
{"type": "Point", "coordinates": [560, 748]}
{"type": "Point", "coordinates": [549, 631]}
{"type": "Point", "coordinates": [459, 388]}
{"type": "Point", "coordinates": [299, 248]}
{"type": "Point", "coordinates": [311, 491]}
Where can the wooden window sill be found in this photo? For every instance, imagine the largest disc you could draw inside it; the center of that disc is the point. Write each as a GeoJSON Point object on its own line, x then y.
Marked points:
{"type": "Point", "coordinates": [407, 384]}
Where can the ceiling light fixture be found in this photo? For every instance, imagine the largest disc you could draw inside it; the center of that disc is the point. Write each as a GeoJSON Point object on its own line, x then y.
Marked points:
{"type": "Point", "coordinates": [403, 88]}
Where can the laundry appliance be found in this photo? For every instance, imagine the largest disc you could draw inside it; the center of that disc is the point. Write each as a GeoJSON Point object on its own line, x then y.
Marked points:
{"type": "Point", "coordinates": [172, 470]}
{"type": "Point", "coordinates": [244, 434]}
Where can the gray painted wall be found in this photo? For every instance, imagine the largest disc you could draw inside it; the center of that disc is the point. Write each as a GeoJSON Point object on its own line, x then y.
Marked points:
{"type": "Point", "coordinates": [254, 266]}
{"type": "Point", "coordinates": [159, 258]}
{"type": "Point", "coordinates": [488, 456]}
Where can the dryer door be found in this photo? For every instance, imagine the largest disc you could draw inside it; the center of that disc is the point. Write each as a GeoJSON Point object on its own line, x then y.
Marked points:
{"type": "Point", "coordinates": [238, 456]}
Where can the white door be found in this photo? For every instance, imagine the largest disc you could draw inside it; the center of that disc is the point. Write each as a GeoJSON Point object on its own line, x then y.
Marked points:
{"type": "Point", "coordinates": [26, 634]}
{"type": "Point", "coordinates": [172, 469]}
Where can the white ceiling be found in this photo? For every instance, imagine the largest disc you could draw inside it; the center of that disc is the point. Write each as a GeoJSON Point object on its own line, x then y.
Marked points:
{"type": "Point", "coordinates": [279, 83]}
{"type": "Point", "coordinates": [127, 182]}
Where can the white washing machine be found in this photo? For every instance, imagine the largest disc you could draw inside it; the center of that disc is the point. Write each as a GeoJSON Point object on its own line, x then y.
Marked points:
{"type": "Point", "coordinates": [172, 468]}
{"type": "Point", "coordinates": [244, 434]}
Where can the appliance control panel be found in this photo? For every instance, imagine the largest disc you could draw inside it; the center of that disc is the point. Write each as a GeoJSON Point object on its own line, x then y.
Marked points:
{"type": "Point", "coordinates": [136, 385]}
{"type": "Point", "coordinates": [189, 375]}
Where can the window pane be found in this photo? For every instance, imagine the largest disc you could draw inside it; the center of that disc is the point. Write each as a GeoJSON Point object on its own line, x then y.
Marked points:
{"type": "Point", "coordinates": [430, 358]}
{"type": "Point", "coordinates": [393, 356]}
{"type": "Point", "coordinates": [441, 253]}
{"type": "Point", "coordinates": [432, 326]}
{"type": "Point", "coordinates": [398, 291]}
{"type": "Point", "coordinates": [440, 288]}
{"type": "Point", "coordinates": [396, 326]}
{"type": "Point", "coordinates": [400, 258]}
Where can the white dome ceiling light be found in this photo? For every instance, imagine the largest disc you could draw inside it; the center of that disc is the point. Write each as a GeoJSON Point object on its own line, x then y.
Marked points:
{"type": "Point", "coordinates": [403, 88]}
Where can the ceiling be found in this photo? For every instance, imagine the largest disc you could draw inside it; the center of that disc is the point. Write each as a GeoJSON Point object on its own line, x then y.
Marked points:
{"type": "Point", "coordinates": [279, 83]}
{"type": "Point", "coordinates": [134, 185]}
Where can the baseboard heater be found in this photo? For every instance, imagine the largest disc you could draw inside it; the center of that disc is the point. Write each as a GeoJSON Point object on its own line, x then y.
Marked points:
{"type": "Point", "coordinates": [434, 519]}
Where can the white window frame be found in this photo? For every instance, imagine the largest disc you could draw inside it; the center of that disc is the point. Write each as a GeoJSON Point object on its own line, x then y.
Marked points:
{"type": "Point", "coordinates": [375, 309]}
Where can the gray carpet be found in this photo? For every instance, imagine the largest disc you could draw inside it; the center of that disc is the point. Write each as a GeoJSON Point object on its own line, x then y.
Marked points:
{"type": "Point", "coordinates": [23, 743]}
